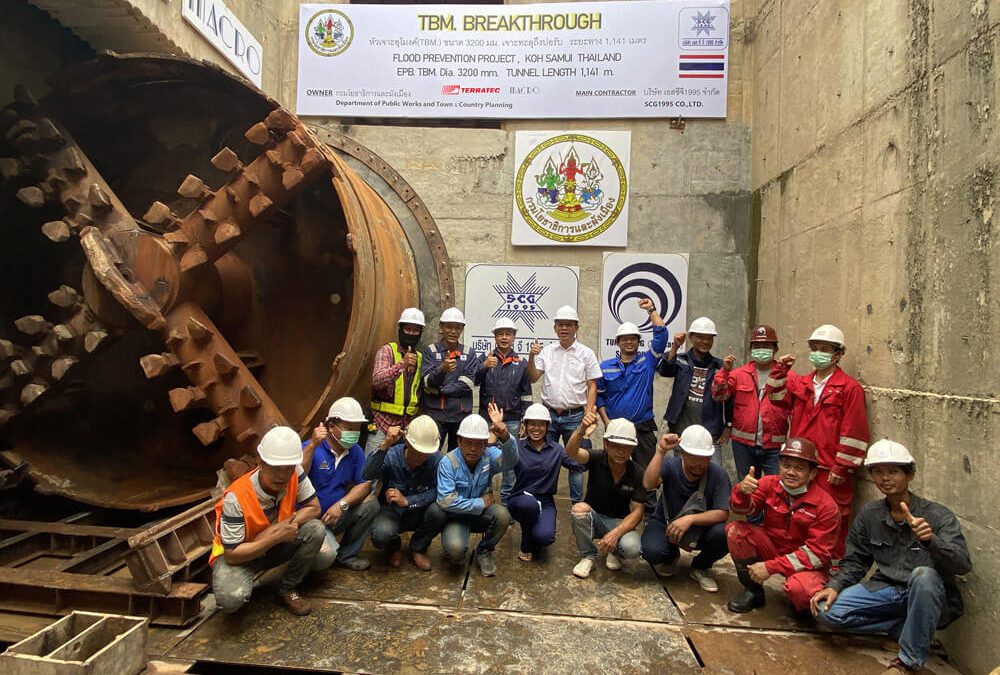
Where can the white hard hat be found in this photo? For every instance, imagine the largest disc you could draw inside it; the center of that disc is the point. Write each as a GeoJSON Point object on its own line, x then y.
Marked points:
{"type": "Point", "coordinates": [627, 328]}
{"type": "Point", "coordinates": [620, 430]}
{"type": "Point", "coordinates": [280, 446]}
{"type": "Point", "coordinates": [346, 409]}
{"type": "Point", "coordinates": [474, 427]}
{"type": "Point", "coordinates": [504, 323]}
{"type": "Point", "coordinates": [566, 313]}
{"type": "Point", "coordinates": [888, 452]}
{"type": "Point", "coordinates": [423, 435]}
{"type": "Point", "coordinates": [537, 411]}
{"type": "Point", "coordinates": [703, 326]}
{"type": "Point", "coordinates": [828, 333]}
{"type": "Point", "coordinates": [452, 315]}
{"type": "Point", "coordinates": [412, 315]}
{"type": "Point", "coordinates": [697, 440]}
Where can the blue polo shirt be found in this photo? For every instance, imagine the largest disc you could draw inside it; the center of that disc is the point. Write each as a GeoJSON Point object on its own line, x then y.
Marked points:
{"type": "Point", "coordinates": [626, 389]}
{"type": "Point", "coordinates": [537, 471]}
{"type": "Point", "coordinates": [333, 479]}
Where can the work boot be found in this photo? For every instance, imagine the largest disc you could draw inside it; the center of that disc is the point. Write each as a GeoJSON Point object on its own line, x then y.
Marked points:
{"type": "Point", "coordinates": [486, 565]}
{"type": "Point", "coordinates": [395, 559]}
{"type": "Point", "coordinates": [752, 596]}
{"type": "Point", "coordinates": [422, 561]}
{"type": "Point", "coordinates": [897, 667]}
{"type": "Point", "coordinates": [294, 603]}
{"type": "Point", "coordinates": [356, 564]}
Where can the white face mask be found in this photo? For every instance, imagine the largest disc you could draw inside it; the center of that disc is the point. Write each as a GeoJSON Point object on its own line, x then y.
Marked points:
{"type": "Point", "coordinates": [796, 492]}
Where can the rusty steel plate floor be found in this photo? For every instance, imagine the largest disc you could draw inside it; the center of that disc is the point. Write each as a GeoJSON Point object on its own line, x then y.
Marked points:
{"type": "Point", "coordinates": [382, 638]}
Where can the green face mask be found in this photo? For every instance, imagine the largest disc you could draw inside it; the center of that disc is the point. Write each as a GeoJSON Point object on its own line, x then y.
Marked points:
{"type": "Point", "coordinates": [762, 356]}
{"type": "Point", "coordinates": [820, 359]}
{"type": "Point", "coordinates": [349, 438]}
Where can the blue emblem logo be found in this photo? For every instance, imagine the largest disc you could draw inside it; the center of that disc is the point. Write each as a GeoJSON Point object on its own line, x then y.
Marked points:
{"type": "Point", "coordinates": [703, 23]}
{"type": "Point", "coordinates": [520, 301]}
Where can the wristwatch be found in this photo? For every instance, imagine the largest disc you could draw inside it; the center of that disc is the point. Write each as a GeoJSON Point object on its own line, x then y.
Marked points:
{"type": "Point", "coordinates": [344, 506]}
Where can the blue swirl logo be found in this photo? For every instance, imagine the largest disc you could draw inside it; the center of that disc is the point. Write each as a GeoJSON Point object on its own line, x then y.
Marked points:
{"type": "Point", "coordinates": [645, 280]}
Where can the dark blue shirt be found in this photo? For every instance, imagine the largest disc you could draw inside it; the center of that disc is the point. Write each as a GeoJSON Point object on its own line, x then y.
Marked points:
{"type": "Point", "coordinates": [626, 389]}
{"type": "Point", "coordinates": [507, 385]}
{"type": "Point", "coordinates": [677, 489]}
{"type": "Point", "coordinates": [537, 471]}
{"type": "Point", "coordinates": [389, 466]}
{"type": "Point", "coordinates": [331, 480]}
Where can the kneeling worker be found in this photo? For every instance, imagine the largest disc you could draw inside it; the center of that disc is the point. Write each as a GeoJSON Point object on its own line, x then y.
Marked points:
{"type": "Point", "coordinates": [797, 534]}
{"type": "Point", "coordinates": [266, 518]}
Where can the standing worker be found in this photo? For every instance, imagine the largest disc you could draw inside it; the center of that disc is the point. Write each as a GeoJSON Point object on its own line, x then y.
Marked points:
{"type": "Point", "coordinates": [691, 401]}
{"type": "Point", "coordinates": [396, 379]}
{"type": "Point", "coordinates": [569, 372]}
{"type": "Point", "coordinates": [625, 389]}
{"type": "Point", "coordinates": [448, 374]}
{"type": "Point", "coordinates": [759, 427]}
{"type": "Point", "coordinates": [504, 382]}
{"type": "Point", "coordinates": [827, 407]}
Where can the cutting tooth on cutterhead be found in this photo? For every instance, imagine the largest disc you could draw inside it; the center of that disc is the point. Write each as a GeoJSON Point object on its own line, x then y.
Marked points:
{"type": "Point", "coordinates": [99, 199]}
{"type": "Point", "coordinates": [249, 398]}
{"type": "Point", "coordinates": [57, 230]}
{"type": "Point", "coordinates": [9, 168]}
{"type": "Point", "coordinates": [183, 398]}
{"type": "Point", "coordinates": [226, 232]}
{"type": "Point", "coordinates": [226, 160]}
{"type": "Point", "coordinates": [33, 324]}
{"type": "Point", "coordinates": [280, 121]}
{"type": "Point", "coordinates": [291, 177]}
{"type": "Point", "coordinates": [193, 257]}
{"type": "Point", "coordinates": [193, 188]}
{"type": "Point", "coordinates": [93, 340]}
{"type": "Point", "coordinates": [198, 331]}
{"type": "Point", "coordinates": [7, 349]}
{"type": "Point", "coordinates": [209, 432]}
{"type": "Point", "coordinates": [223, 365]}
{"type": "Point", "coordinates": [61, 365]}
{"type": "Point", "coordinates": [259, 203]}
{"type": "Point", "coordinates": [7, 413]}
{"type": "Point", "coordinates": [31, 392]}
{"type": "Point", "coordinates": [258, 134]}
{"type": "Point", "coordinates": [64, 296]}
{"type": "Point", "coordinates": [31, 196]}
{"type": "Point", "coordinates": [154, 365]}
{"type": "Point", "coordinates": [248, 436]}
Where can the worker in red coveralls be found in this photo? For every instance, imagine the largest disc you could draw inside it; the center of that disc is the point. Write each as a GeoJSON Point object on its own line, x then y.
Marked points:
{"type": "Point", "coordinates": [798, 533]}
{"type": "Point", "coordinates": [828, 408]}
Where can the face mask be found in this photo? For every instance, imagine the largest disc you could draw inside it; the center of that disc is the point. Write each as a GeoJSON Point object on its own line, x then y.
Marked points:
{"type": "Point", "coordinates": [349, 438]}
{"type": "Point", "coordinates": [408, 340]}
{"type": "Point", "coordinates": [820, 359]}
{"type": "Point", "coordinates": [797, 491]}
{"type": "Point", "coordinates": [762, 356]}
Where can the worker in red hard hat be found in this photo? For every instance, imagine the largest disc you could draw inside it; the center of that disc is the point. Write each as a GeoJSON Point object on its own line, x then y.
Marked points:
{"type": "Point", "coordinates": [759, 426]}
{"type": "Point", "coordinates": [797, 535]}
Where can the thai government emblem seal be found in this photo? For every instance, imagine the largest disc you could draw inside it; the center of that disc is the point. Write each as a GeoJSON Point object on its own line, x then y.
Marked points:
{"type": "Point", "coordinates": [570, 188]}
{"type": "Point", "coordinates": [329, 32]}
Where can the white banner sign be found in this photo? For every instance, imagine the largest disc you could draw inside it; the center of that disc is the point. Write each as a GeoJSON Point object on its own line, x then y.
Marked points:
{"type": "Point", "coordinates": [659, 58]}
{"type": "Point", "coordinates": [629, 277]}
{"type": "Point", "coordinates": [228, 35]}
{"type": "Point", "coordinates": [571, 188]}
{"type": "Point", "coordinates": [528, 296]}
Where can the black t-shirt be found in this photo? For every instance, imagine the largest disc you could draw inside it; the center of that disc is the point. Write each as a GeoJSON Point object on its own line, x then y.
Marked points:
{"type": "Point", "coordinates": [677, 489]}
{"type": "Point", "coordinates": [606, 496]}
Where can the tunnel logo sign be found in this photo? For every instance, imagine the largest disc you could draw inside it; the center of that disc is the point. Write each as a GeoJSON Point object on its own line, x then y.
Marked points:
{"type": "Point", "coordinates": [521, 302]}
{"type": "Point", "coordinates": [703, 30]}
{"type": "Point", "coordinates": [571, 188]}
{"type": "Point", "coordinates": [329, 32]}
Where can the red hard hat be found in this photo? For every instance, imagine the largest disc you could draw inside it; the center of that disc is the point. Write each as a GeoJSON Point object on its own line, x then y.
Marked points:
{"type": "Point", "coordinates": [762, 333]}
{"type": "Point", "coordinates": [801, 448]}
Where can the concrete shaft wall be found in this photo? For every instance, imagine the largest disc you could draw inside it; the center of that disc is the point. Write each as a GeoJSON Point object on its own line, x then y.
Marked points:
{"type": "Point", "coordinates": [875, 170]}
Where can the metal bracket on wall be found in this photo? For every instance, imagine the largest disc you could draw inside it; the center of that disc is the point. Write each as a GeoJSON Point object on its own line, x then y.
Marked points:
{"type": "Point", "coordinates": [678, 123]}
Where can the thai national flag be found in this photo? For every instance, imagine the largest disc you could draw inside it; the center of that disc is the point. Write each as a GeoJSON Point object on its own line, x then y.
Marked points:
{"type": "Point", "coordinates": [703, 66]}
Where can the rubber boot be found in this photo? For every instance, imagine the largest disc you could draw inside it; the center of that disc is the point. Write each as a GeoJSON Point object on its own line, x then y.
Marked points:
{"type": "Point", "coordinates": [752, 596]}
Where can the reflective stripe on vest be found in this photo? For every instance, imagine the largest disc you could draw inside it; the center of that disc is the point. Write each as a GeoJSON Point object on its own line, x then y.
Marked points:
{"type": "Point", "coordinates": [399, 405]}
{"type": "Point", "coordinates": [253, 515]}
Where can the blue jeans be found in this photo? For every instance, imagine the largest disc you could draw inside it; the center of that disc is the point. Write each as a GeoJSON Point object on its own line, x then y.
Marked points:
{"type": "Point", "coordinates": [353, 527]}
{"type": "Point", "coordinates": [765, 462]}
{"type": "Point", "coordinates": [507, 484]}
{"type": "Point", "coordinates": [657, 549]}
{"type": "Point", "coordinates": [493, 523]}
{"type": "Point", "coordinates": [909, 615]}
{"type": "Point", "coordinates": [560, 429]}
{"type": "Point", "coordinates": [593, 525]}
{"type": "Point", "coordinates": [537, 516]}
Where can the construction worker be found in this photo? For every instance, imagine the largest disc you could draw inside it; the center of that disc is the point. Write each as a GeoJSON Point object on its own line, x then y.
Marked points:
{"type": "Point", "coordinates": [464, 488]}
{"type": "Point", "coordinates": [407, 476]}
{"type": "Point", "coordinates": [336, 463]}
{"type": "Point", "coordinates": [569, 372]}
{"type": "Point", "coordinates": [828, 407]}
{"type": "Point", "coordinates": [691, 400]}
{"type": "Point", "coordinates": [625, 389]}
{"type": "Point", "coordinates": [693, 507]}
{"type": "Point", "coordinates": [615, 500]}
{"type": "Point", "coordinates": [531, 501]}
{"type": "Point", "coordinates": [448, 374]}
{"type": "Point", "coordinates": [504, 382]}
{"type": "Point", "coordinates": [917, 548]}
{"type": "Point", "coordinates": [797, 533]}
{"type": "Point", "coordinates": [265, 518]}
{"type": "Point", "coordinates": [396, 378]}
{"type": "Point", "coordinates": [758, 426]}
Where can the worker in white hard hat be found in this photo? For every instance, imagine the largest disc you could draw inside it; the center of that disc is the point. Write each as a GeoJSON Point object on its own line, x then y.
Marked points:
{"type": "Point", "coordinates": [827, 406]}
{"type": "Point", "coordinates": [336, 466]}
{"type": "Point", "coordinates": [532, 503]}
{"type": "Point", "coordinates": [448, 375]}
{"type": "Point", "coordinates": [405, 468]}
{"type": "Point", "coordinates": [693, 507]}
{"type": "Point", "coordinates": [625, 389]}
{"type": "Point", "coordinates": [465, 488]}
{"type": "Point", "coordinates": [691, 399]}
{"type": "Point", "coordinates": [918, 549]}
{"type": "Point", "coordinates": [504, 382]}
{"type": "Point", "coordinates": [569, 372]}
{"type": "Point", "coordinates": [266, 518]}
{"type": "Point", "coordinates": [396, 379]}
{"type": "Point", "coordinates": [615, 501]}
